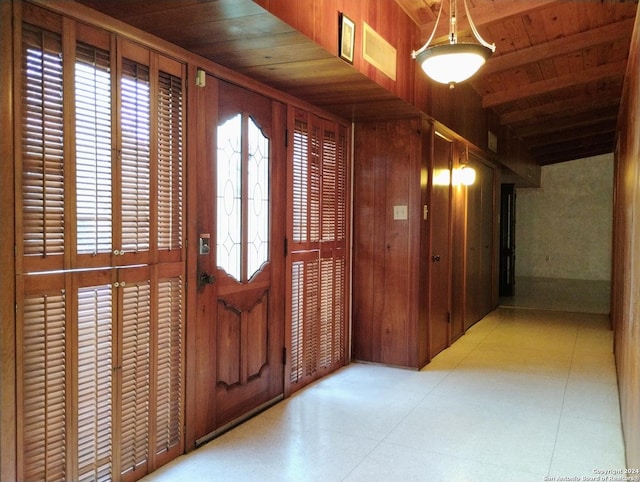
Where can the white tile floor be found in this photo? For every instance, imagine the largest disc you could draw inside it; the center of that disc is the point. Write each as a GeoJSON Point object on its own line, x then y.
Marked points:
{"type": "Point", "coordinates": [525, 395]}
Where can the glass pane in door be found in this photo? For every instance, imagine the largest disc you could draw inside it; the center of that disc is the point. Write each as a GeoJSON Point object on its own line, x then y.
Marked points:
{"type": "Point", "coordinates": [242, 198]}
{"type": "Point", "coordinates": [229, 198]}
{"type": "Point", "coordinates": [258, 199]}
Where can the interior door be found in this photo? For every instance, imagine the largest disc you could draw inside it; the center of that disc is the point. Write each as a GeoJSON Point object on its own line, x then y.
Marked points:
{"type": "Point", "coordinates": [440, 226]}
{"type": "Point", "coordinates": [241, 256]}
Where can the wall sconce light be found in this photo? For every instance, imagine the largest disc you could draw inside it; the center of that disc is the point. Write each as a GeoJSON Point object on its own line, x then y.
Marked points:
{"type": "Point", "coordinates": [453, 62]}
{"type": "Point", "coordinates": [466, 175]}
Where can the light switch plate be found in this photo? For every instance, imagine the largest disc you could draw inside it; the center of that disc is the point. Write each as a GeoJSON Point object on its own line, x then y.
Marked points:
{"type": "Point", "coordinates": [400, 213]}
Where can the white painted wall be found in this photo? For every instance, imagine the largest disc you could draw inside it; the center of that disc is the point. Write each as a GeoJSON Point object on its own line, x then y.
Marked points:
{"type": "Point", "coordinates": [563, 229]}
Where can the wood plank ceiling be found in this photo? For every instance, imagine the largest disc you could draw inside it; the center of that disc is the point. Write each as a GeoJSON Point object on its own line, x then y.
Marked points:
{"type": "Point", "coordinates": [555, 79]}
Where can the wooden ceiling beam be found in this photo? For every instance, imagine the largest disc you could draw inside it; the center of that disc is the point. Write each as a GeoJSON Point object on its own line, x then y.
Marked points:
{"type": "Point", "coordinates": [573, 105]}
{"type": "Point", "coordinates": [607, 128]}
{"type": "Point", "coordinates": [482, 14]}
{"type": "Point", "coordinates": [613, 69]}
{"type": "Point", "coordinates": [573, 152]}
{"type": "Point", "coordinates": [561, 46]}
{"type": "Point", "coordinates": [568, 147]}
{"type": "Point", "coordinates": [560, 123]}
{"type": "Point", "coordinates": [500, 10]}
{"type": "Point", "coordinates": [418, 10]}
{"type": "Point", "coordinates": [550, 128]}
{"type": "Point", "coordinates": [573, 155]}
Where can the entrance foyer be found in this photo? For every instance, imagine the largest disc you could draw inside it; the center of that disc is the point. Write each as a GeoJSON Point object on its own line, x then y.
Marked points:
{"type": "Point", "coordinates": [524, 395]}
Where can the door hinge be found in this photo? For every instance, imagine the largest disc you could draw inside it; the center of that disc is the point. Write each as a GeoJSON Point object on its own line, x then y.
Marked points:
{"type": "Point", "coordinates": [284, 355]}
{"type": "Point", "coordinates": [449, 317]}
{"type": "Point", "coordinates": [286, 138]}
{"type": "Point", "coordinates": [286, 247]}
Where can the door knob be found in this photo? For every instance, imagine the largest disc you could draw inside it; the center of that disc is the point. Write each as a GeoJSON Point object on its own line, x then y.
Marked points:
{"type": "Point", "coordinates": [207, 279]}
{"type": "Point", "coordinates": [435, 258]}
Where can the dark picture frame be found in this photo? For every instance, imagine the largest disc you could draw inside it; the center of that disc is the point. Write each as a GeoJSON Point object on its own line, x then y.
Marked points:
{"type": "Point", "coordinates": [346, 38]}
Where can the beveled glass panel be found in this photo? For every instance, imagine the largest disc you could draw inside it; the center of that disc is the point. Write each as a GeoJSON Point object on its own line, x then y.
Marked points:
{"type": "Point", "coordinates": [258, 199]}
{"type": "Point", "coordinates": [229, 196]}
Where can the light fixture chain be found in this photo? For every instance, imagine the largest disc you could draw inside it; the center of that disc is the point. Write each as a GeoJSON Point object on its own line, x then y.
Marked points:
{"type": "Point", "coordinates": [453, 21]}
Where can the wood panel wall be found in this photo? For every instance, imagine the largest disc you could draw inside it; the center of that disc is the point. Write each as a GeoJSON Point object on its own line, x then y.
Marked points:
{"type": "Point", "coordinates": [389, 325]}
{"type": "Point", "coordinates": [625, 303]}
{"type": "Point", "coordinates": [392, 266]}
{"type": "Point", "coordinates": [319, 21]}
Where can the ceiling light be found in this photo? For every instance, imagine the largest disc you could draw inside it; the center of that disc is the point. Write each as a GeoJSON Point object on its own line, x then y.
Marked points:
{"type": "Point", "coordinates": [453, 62]}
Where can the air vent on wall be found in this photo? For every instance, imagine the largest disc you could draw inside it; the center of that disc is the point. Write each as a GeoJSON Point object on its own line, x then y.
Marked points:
{"type": "Point", "coordinates": [378, 52]}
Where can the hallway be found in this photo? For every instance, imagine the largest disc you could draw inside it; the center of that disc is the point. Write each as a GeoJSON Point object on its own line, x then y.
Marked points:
{"type": "Point", "coordinates": [525, 395]}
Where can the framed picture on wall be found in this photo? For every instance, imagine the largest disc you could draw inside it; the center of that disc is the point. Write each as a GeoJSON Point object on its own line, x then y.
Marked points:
{"type": "Point", "coordinates": [347, 36]}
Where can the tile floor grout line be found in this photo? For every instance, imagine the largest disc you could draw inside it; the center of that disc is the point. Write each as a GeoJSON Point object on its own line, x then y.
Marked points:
{"type": "Point", "coordinates": [564, 397]}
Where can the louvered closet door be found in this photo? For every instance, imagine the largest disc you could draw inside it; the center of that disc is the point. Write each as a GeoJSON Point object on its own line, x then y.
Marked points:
{"type": "Point", "coordinates": [318, 243]}
{"type": "Point", "coordinates": [100, 270]}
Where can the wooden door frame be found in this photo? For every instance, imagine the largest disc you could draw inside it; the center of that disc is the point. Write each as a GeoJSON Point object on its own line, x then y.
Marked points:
{"type": "Point", "coordinates": [7, 257]}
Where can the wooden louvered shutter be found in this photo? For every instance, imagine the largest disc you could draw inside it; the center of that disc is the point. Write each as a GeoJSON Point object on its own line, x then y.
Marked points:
{"type": "Point", "coordinates": [95, 382]}
{"type": "Point", "coordinates": [93, 141]}
{"type": "Point", "coordinates": [100, 254]}
{"type": "Point", "coordinates": [328, 217]}
{"type": "Point", "coordinates": [340, 252]}
{"type": "Point", "coordinates": [135, 157]}
{"type": "Point", "coordinates": [42, 162]}
{"type": "Point", "coordinates": [43, 366]}
{"type": "Point", "coordinates": [168, 362]}
{"type": "Point", "coordinates": [297, 315]}
{"type": "Point", "coordinates": [300, 213]}
{"type": "Point", "coordinates": [169, 182]}
{"type": "Point", "coordinates": [329, 175]}
{"type": "Point", "coordinates": [304, 251]}
{"type": "Point", "coordinates": [314, 180]}
{"type": "Point", "coordinates": [311, 319]}
{"type": "Point", "coordinates": [333, 245]}
{"type": "Point", "coordinates": [169, 365]}
{"type": "Point", "coordinates": [318, 248]}
{"type": "Point", "coordinates": [135, 370]}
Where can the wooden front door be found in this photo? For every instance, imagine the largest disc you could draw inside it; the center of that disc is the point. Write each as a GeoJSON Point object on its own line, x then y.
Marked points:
{"type": "Point", "coordinates": [241, 254]}
{"type": "Point", "coordinates": [440, 277]}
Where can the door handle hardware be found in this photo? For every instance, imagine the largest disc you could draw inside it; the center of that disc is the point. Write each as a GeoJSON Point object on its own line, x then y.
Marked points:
{"type": "Point", "coordinates": [207, 279]}
{"type": "Point", "coordinates": [435, 258]}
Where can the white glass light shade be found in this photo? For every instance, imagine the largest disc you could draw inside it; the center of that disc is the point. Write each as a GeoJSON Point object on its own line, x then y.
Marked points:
{"type": "Point", "coordinates": [467, 175]}
{"type": "Point", "coordinates": [452, 63]}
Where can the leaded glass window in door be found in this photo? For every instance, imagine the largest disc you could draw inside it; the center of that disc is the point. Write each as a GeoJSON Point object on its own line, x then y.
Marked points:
{"type": "Point", "coordinates": [242, 197]}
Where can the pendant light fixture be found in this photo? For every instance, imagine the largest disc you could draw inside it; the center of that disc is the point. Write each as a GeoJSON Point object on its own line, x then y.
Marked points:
{"type": "Point", "coordinates": [453, 62]}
